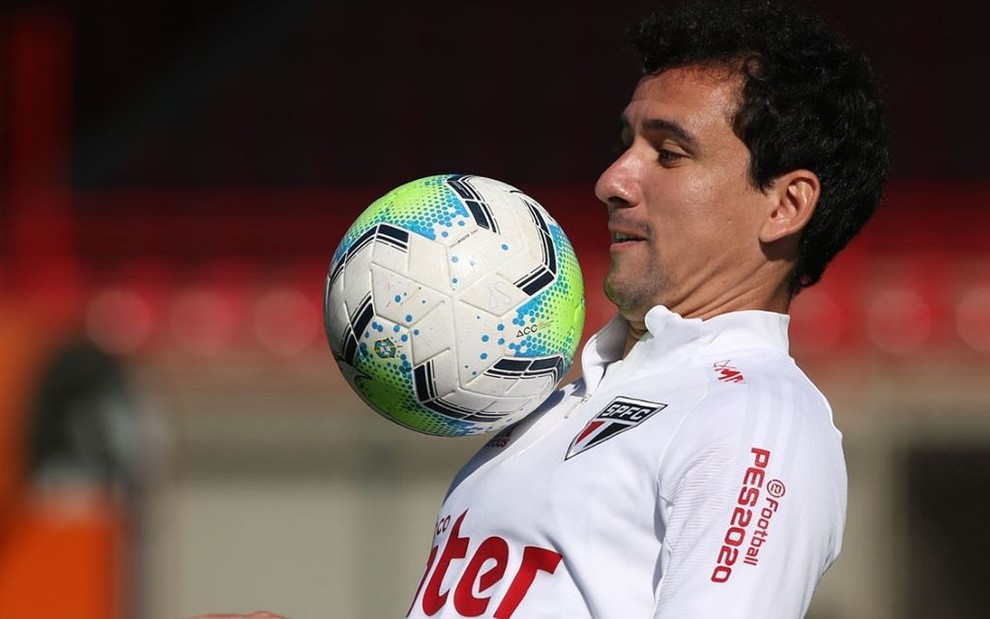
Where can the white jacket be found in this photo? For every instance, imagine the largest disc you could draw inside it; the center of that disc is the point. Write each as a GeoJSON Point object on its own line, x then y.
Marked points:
{"type": "Point", "coordinates": [699, 477]}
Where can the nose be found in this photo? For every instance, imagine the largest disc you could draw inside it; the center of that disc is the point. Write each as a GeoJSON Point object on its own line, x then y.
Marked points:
{"type": "Point", "coordinates": [616, 187]}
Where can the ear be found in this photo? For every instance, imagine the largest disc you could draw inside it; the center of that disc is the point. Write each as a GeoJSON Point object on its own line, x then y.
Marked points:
{"type": "Point", "coordinates": [794, 197]}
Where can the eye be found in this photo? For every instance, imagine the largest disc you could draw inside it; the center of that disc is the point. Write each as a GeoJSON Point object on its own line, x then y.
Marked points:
{"type": "Point", "coordinates": [669, 157]}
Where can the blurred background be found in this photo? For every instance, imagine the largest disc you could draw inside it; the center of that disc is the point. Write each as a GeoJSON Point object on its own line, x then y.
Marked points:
{"type": "Point", "coordinates": [174, 436]}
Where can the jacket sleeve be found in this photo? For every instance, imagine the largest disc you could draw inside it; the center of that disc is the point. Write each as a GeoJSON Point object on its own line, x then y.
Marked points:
{"type": "Point", "coordinates": [752, 503]}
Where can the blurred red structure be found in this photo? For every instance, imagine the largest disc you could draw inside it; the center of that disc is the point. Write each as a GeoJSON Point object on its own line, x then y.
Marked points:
{"type": "Point", "coordinates": [896, 290]}
{"type": "Point", "coordinates": [61, 557]}
{"type": "Point", "coordinates": [194, 273]}
{"type": "Point", "coordinates": [60, 553]}
{"type": "Point", "coordinates": [201, 271]}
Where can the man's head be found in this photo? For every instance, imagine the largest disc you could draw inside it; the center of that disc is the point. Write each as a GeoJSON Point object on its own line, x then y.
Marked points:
{"type": "Point", "coordinates": [765, 92]}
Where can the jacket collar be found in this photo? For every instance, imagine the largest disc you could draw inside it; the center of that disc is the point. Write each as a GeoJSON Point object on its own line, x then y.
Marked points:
{"type": "Point", "coordinates": [672, 341]}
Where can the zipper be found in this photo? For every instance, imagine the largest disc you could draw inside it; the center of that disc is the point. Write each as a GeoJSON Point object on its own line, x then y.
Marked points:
{"type": "Point", "coordinates": [584, 399]}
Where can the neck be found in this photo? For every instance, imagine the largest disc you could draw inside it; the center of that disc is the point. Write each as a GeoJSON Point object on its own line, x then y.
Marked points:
{"type": "Point", "coordinates": [778, 302]}
{"type": "Point", "coordinates": [636, 332]}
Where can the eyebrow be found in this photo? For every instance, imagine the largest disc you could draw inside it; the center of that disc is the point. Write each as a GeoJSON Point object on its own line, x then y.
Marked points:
{"type": "Point", "coordinates": [658, 125]}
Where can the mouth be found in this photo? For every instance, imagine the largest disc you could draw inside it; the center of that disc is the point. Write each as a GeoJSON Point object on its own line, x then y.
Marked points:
{"type": "Point", "coordinates": [620, 239]}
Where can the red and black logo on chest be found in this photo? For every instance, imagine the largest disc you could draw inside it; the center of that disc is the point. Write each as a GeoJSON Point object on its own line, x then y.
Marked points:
{"type": "Point", "coordinates": [620, 415]}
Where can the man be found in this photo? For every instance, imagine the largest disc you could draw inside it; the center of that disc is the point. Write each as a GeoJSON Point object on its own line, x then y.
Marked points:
{"type": "Point", "coordinates": [693, 471]}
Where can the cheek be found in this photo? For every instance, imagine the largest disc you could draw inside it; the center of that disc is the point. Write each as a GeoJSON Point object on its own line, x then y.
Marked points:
{"type": "Point", "coordinates": [724, 202]}
{"type": "Point", "coordinates": [702, 227]}
{"type": "Point", "coordinates": [689, 207]}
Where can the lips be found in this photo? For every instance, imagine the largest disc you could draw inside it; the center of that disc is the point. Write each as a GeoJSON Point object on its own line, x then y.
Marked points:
{"type": "Point", "coordinates": [622, 236]}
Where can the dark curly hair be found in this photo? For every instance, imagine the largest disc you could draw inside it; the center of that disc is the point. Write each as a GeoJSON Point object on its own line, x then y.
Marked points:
{"type": "Point", "coordinates": [808, 101]}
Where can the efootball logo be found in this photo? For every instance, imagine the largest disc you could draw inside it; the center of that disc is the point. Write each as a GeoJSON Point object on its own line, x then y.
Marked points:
{"type": "Point", "coordinates": [620, 415]}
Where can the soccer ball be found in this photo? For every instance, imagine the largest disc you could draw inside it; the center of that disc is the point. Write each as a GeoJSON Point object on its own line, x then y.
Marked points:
{"type": "Point", "coordinates": [454, 305]}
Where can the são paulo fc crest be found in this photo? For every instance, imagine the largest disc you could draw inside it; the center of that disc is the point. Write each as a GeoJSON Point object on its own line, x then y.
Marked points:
{"type": "Point", "coordinates": [620, 415]}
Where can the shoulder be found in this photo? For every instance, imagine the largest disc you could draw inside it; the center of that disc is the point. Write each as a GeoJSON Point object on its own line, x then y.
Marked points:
{"type": "Point", "coordinates": [762, 401]}
{"type": "Point", "coordinates": [757, 384]}
{"type": "Point", "coordinates": [772, 424]}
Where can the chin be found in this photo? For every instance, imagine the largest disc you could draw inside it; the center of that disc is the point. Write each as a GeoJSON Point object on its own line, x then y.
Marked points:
{"type": "Point", "coordinates": [625, 300]}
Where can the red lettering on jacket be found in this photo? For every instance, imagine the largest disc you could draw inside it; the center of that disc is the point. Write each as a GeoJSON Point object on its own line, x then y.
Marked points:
{"type": "Point", "coordinates": [494, 548]}
{"type": "Point", "coordinates": [534, 560]}
{"type": "Point", "coordinates": [492, 552]}
{"type": "Point", "coordinates": [456, 548]}
{"type": "Point", "coordinates": [742, 515]}
{"type": "Point", "coordinates": [429, 564]}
